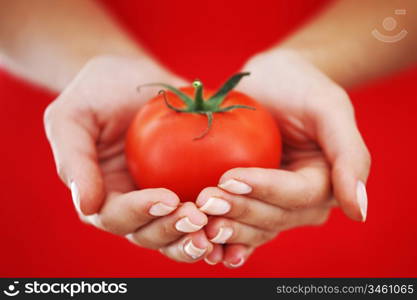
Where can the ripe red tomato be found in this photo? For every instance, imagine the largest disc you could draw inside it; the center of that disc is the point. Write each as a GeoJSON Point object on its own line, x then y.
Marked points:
{"type": "Point", "coordinates": [178, 151]}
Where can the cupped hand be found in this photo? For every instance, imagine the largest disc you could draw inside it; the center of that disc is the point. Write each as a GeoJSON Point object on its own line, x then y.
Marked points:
{"type": "Point", "coordinates": [86, 126]}
{"type": "Point", "coordinates": [325, 161]}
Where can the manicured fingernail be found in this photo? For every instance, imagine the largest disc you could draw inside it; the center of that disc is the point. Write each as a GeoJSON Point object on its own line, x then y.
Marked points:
{"type": "Point", "coordinates": [130, 237]}
{"type": "Point", "coordinates": [160, 209]}
{"type": "Point", "coordinates": [93, 220]}
{"type": "Point", "coordinates": [185, 225]}
{"type": "Point", "coordinates": [236, 187]}
{"type": "Point", "coordinates": [210, 262]}
{"type": "Point", "coordinates": [215, 206]}
{"type": "Point", "coordinates": [75, 196]}
{"type": "Point", "coordinates": [362, 198]}
{"type": "Point", "coordinates": [193, 251]}
{"type": "Point", "coordinates": [235, 265]}
{"type": "Point", "coordinates": [223, 235]}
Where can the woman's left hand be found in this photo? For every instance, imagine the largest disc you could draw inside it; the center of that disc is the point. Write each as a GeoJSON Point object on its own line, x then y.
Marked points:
{"type": "Point", "coordinates": [325, 162]}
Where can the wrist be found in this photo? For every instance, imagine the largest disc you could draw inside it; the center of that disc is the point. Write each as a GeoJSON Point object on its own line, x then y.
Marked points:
{"type": "Point", "coordinates": [324, 59]}
{"type": "Point", "coordinates": [140, 65]}
{"type": "Point", "coordinates": [280, 74]}
{"type": "Point", "coordinates": [335, 60]}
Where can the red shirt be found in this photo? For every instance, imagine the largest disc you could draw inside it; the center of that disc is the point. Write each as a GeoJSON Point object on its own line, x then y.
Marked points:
{"type": "Point", "coordinates": [42, 236]}
{"type": "Point", "coordinates": [210, 39]}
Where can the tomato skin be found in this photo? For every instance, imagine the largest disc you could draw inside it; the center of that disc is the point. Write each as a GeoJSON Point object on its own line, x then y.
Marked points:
{"type": "Point", "coordinates": [162, 151]}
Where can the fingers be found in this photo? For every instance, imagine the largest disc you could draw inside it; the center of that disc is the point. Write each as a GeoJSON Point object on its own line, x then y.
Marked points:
{"type": "Point", "coordinates": [73, 147]}
{"type": "Point", "coordinates": [164, 230]}
{"type": "Point", "coordinates": [342, 142]}
{"type": "Point", "coordinates": [124, 213]}
{"type": "Point", "coordinates": [307, 186]}
{"type": "Point", "coordinates": [191, 248]}
{"type": "Point", "coordinates": [222, 230]}
{"type": "Point", "coordinates": [215, 201]}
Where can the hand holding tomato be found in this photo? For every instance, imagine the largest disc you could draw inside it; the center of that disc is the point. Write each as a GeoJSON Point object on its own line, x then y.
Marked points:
{"type": "Point", "coordinates": [323, 151]}
{"type": "Point", "coordinates": [325, 162]}
{"type": "Point", "coordinates": [86, 127]}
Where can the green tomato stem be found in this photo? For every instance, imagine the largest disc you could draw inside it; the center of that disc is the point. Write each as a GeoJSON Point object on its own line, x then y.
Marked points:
{"type": "Point", "coordinates": [198, 101]}
{"type": "Point", "coordinates": [198, 106]}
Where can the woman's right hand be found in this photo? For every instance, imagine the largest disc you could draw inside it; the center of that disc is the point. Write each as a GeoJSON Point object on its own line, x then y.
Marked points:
{"type": "Point", "coordinates": [86, 126]}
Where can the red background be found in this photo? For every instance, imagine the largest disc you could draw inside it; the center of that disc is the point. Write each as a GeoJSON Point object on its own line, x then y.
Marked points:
{"type": "Point", "coordinates": [42, 236]}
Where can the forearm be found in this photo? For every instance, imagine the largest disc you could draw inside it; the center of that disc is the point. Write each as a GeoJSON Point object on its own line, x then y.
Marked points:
{"type": "Point", "coordinates": [340, 40]}
{"type": "Point", "coordinates": [48, 41]}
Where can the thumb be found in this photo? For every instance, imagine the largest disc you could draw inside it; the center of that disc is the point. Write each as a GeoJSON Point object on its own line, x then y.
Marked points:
{"type": "Point", "coordinates": [74, 151]}
{"type": "Point", "coordinates": [349, 157]}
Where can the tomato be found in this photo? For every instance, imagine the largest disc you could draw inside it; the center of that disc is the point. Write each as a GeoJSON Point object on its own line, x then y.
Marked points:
{"type": "Point", "coordinates": [171, 144]}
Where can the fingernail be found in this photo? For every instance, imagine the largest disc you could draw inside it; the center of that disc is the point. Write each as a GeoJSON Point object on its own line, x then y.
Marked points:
{"type": "Point", "coordinates": [160, 209]}
{"type": "Point", "coordinates": [215, 206]}
{"type": "Point", "coordinates": [223, 235]}
{"type": "Point", "coordinates": [193, 251]}
{"type": "Point", "coordinates": [75, 196]}
{"type": "Point", "coordinates": [362, 198]}
{"type": "Point", "coordinates": [236, 187]}
{"type": "Point", "coordinates": [185, 225]}
{"type": "Point", "coordinates": [130, 237]}
{"type": "Point", "coordinates": [236, 265]}
{"type": "Point", "coordinates": [93, 220]}
{"type": "Point", "coordinates": [210, 262]}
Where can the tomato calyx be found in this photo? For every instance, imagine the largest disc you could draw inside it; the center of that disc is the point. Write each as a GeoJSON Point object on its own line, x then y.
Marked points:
{"type": "Point", "coordinates": [200, 106]}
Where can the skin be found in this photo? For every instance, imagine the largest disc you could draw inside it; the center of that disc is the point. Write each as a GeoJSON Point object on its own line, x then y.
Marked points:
{"type": "Point", "coordinates": [323, 150]}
